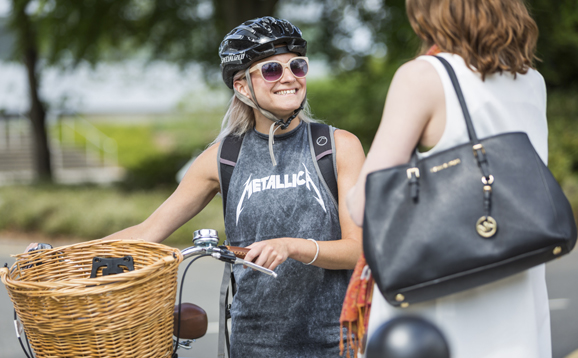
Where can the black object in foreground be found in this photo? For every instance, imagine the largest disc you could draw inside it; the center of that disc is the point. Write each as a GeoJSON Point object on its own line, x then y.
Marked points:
{"type": "Point", "coordinates": [407, 337]}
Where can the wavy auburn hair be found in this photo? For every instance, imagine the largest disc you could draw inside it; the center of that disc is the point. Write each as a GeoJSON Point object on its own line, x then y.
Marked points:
{"type": "Point", "coordinates": [490, 35]}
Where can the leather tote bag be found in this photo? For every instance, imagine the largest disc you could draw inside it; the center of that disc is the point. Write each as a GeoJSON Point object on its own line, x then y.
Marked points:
{"type": "Point", "coordinates": [464, 217]}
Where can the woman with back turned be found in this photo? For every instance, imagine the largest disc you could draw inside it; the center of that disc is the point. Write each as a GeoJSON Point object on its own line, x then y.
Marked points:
{"type": "Point", "coordinates": [491, 45]}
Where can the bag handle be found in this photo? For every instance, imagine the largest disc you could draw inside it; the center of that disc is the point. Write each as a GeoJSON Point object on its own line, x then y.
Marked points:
{"type": "Point", "coordinates": [461, 99]}
{"type": "Point", "coordinates": [477, 147]}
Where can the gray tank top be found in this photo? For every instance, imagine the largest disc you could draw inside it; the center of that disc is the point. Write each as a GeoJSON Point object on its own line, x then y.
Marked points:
{"type": "Point", "coordinates": [296, 314]}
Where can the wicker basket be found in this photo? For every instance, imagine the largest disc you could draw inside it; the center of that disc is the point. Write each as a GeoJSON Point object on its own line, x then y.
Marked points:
{"type": "Point", "coordinates": [65, 313]}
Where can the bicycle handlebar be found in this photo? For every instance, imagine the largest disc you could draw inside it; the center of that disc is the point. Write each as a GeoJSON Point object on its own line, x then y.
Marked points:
{"type": "Point", "coordinates": [223, 253]}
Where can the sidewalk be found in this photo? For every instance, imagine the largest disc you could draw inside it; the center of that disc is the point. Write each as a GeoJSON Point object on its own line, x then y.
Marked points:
{"type": "Point", "coordinates": [12, 243]}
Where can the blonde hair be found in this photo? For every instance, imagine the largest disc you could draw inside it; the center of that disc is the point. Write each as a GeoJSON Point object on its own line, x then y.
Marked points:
{"type": "Point", "coordinates": [240, 117]}
{"type": "Point", "coordinates": [490, 35]}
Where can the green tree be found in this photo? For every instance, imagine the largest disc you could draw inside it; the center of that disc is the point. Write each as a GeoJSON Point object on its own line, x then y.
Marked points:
{"type": "Point", "coordinates": [558, 41]}
{"type": "Point", "coordinates": [66, 32]}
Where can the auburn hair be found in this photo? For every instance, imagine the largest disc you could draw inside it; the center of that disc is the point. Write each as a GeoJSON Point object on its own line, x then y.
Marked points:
{"type": "Point", "coordinates": [490, 35]}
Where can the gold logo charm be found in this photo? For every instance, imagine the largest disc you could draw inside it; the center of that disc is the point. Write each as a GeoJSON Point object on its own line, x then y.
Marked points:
{"type": "Point", "coordinates": [486, 226]}
{"type": "Point", "coordinates": [451, 163]}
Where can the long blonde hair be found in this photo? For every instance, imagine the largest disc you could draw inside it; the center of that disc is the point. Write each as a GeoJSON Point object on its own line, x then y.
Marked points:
{"type": "Point", "coordinates": [240, 117]}
{"type": "Point", "coordinates": [490, 35]}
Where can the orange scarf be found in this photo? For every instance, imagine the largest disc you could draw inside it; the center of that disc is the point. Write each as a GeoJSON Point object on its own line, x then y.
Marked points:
{"type": "Point", "coordinates": [434, 50]}
{"type": "Point", "coordinates": [357, 303]}
{"type": "Point", "coordinates": [356, 307]}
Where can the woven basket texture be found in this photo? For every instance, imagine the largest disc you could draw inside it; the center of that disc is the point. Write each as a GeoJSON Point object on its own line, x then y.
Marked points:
{"type": "Point", "coordinates": [65, 313]}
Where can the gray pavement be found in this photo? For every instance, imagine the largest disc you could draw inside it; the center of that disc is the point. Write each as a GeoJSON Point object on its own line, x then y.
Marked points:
{"type": "Point", "coordinates": [202, 288]}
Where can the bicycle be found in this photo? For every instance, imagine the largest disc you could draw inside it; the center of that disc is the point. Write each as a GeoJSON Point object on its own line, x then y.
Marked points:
{"type": "Point", "coordinates": [189, 321]}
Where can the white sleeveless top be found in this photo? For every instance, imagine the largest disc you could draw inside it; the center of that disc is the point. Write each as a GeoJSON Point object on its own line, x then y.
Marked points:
{"type": "Point", "coordinates": [509, 318]}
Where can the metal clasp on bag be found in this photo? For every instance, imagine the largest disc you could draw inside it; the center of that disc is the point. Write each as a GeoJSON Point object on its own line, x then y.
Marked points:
{"type": "Point", "coordinates": [489, 180]}
{"type": "Point", "coordinates": [414, 171]}
{"type": "Point", "coordinates": [479, 147]}
{"type": "Point", "coordinates": [413, 175]}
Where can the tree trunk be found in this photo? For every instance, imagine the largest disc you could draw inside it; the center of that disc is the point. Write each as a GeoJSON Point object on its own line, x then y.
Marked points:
{"type": "Point", "coordinates": [23, 25]}
{"type": "Point", "coordinates": [37, 114]}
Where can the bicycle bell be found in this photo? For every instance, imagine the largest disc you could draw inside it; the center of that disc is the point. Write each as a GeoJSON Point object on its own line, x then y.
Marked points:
{"type": "Point", "coordinates": [205, 238]}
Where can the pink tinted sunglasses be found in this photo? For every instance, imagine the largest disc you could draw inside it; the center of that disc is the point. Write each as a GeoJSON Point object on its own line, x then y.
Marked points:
{"type": "Point", "coordinates": [272, 71]}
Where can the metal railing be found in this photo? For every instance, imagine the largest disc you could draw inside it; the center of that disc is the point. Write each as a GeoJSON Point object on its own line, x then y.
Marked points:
{"type": "Point", "coordinates": [65, 131]}
{"type": "Point", "coordinates": [74, 131]}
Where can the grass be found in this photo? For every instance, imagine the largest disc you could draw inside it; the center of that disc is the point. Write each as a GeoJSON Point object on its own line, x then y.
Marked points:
{"type": "Point", "coordinates": [92, 212]}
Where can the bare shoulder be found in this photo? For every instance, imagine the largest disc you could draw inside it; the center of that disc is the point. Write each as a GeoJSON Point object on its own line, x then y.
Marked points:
{"type": "Point", "coordinates": [206, 164]}
{"type": "Point", "coordinates": [210, 154]}
{"type": "Point", "coordinates": [417, 82]}
{"type": "Point", "coordinates": [416, 70]}
{"type": "Point", "coordinates": [348, 149]}
{"type": "Point", "coordinates": [346, 140]}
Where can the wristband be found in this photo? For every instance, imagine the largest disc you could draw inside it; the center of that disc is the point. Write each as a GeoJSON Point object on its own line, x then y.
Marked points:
{"type": "Point", "coordinates": [316, 254]}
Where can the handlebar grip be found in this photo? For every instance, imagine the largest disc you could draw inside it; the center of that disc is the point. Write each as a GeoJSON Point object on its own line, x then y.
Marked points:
{"type": "Point", "coordinates": [240, 252]}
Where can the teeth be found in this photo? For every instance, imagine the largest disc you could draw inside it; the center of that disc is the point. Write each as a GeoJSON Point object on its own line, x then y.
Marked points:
{"type": "Point", "coordinates": [286, 92]}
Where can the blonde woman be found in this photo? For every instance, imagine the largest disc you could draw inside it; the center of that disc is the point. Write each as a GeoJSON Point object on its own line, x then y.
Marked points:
{"type": "Point", "coordinates": [276, 203]}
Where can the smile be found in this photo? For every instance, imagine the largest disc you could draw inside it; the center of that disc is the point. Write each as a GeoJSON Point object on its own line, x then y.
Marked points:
{"type": "Point", "coordinates": [286, 92]}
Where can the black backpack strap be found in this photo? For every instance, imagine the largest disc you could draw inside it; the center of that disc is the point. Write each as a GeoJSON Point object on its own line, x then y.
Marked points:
{"type": "Point", "coordinates": [228, 156]}
{"type": "Point", "coordinates": [322, 144]}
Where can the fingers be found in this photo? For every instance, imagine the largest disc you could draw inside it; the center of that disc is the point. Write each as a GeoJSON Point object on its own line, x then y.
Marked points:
{"type": "Point", "coordinates": [269, 253]}
{"type": "Point", "coordinates": [253, 253]}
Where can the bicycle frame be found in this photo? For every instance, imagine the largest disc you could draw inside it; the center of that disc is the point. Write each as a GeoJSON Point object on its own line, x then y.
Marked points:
{"type": "Point", "coordinates": [205, 243]}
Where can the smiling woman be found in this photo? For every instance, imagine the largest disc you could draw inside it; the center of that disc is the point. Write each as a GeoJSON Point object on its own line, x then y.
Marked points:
{"type": "Point", "coordinates": [276, 202]}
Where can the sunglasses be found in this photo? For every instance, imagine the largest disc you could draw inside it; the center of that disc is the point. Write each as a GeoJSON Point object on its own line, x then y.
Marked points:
{"type": "Point", "coordinates": [272, 71]}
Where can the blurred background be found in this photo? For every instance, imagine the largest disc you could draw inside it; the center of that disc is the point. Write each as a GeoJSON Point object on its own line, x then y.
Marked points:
{"type": "Point", "coordinates": [102, 102]}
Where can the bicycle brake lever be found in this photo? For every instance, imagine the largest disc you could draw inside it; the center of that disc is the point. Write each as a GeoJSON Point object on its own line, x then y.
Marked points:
{"type": "Point", "coordinates": [231, 258]}
{"type": "Point", "coordinates": [239, 261]}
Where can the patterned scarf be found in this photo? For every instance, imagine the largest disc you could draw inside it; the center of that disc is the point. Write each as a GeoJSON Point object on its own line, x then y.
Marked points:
{"type": "Point", "coordinates": [357, 303]}
{"type": "Point", "coordinates": [356, 307]}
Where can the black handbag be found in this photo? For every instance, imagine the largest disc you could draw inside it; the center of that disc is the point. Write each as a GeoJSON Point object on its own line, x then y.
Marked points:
{"type": "Point", "coordinates": [464, 217]}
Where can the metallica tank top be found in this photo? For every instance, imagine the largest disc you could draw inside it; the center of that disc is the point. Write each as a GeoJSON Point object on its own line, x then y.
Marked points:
{"type": "Point", "coordinates": [297, 313]}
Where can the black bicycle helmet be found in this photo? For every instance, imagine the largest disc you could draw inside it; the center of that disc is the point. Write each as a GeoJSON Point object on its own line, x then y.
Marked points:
{"type": "Point", "coordinates": [256, 39]}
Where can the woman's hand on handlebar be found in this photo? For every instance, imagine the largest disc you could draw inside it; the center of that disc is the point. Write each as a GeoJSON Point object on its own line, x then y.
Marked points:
{"type": "Point", "coordinates": [31, 246]}
{"type": "Point", "coordinates": [270, 253]}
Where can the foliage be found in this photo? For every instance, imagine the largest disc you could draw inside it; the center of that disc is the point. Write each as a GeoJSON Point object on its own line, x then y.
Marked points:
{"type": "Point", "coordinates": [558, 41]}
{"type": "Point", "coordinates": [91, 212]}
{"type": "Point", "coordinates": [156, 171]}
{"type": "Point", "coordinates": [151, 164]}
{"type": "Point", "coordinates": [563, 135]}
{"type": "Point", "coordinates": [344, 25]}
{"type": "Point", "coordinates": [351, 102]}
{"type": "Point", "coordinates": [135, 142]}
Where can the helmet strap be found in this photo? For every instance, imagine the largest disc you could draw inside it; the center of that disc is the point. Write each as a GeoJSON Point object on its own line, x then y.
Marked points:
{"type": "Point", "coordinates": [277, 122]}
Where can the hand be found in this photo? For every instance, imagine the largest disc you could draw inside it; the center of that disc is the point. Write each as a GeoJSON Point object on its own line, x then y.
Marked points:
{"type": "Point", "coordinates": [31, 246]}
{"type": "Point", "coordinates": [269, 253]}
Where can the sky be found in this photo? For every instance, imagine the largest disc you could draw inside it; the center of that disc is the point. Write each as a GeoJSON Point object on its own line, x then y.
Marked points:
{"type": "Point", "coordinates": [4, 7]}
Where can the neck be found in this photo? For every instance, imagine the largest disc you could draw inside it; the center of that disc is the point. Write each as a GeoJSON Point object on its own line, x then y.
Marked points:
{"type": "Point", "coordinates": [262, 123]}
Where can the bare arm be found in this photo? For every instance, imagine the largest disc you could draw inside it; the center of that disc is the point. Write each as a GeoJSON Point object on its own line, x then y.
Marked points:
{"type": "Point", "coordinates": [337, 254]}
{"type": "Point", "coordinates": [198, 187]}
{"type": "Point", "coordinates": [414, 112]}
